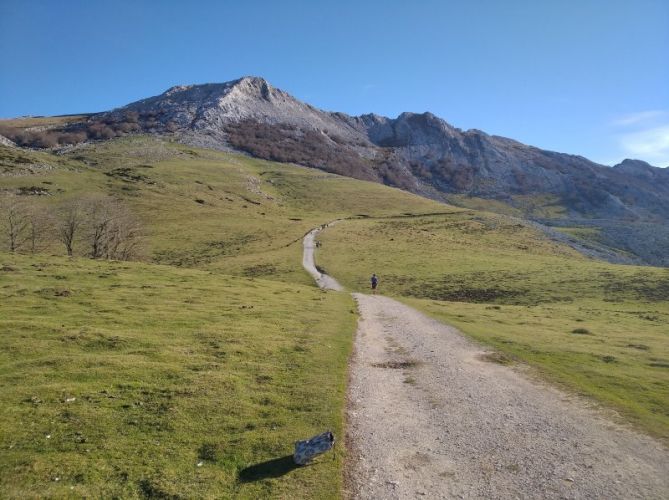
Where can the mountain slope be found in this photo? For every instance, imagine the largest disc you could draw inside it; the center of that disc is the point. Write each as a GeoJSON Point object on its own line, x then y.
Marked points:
{"type": "Point", "coordinates": [420, 153]}
{"type": "Point", "coordinates": [424, 154]}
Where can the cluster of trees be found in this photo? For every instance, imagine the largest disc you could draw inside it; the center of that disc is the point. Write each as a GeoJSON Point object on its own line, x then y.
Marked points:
{"type": "Point", "coordinates": [286, 143]}
{"type": "Point", "coordinates": [41, 138]}
{"type": "Point", "coordinates": [100, 227]}
{"type": "Point", "coordinates": [95, 128]}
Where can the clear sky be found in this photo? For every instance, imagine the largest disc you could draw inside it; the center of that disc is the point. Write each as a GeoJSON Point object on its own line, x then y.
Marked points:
{"type": "Point", "coordinates": [588, 77]}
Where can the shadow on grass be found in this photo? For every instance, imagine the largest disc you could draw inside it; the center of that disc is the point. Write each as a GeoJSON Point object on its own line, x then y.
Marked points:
{"type": "Point", "coordinates": [272, 468]}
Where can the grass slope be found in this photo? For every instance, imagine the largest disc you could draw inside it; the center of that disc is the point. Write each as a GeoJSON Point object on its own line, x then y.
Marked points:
{"type": "Point", "coordinates": [118, 379]}
{"type": "Point", "coordinates": [598, 328]}
{"type": "Point", "coordinates": [205, 209]}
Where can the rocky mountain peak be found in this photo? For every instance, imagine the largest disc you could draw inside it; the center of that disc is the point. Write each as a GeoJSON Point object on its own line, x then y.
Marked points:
{"type": "Point", "coordinates": [255, 87]}
{"type": "Point", "coordinates": [630, 164]}
{"type": "Point", "coordinates": [248, 84]}
{"type": "Point", "coordinates": [177, 89]}
{"type": "Point", "coordinates": [643, 170]}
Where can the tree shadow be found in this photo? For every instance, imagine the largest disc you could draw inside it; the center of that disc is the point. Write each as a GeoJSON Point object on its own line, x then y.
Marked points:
{"type": "Point", "coordinates": [271, 468]}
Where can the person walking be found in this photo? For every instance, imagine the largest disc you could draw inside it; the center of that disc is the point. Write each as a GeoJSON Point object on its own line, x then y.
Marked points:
{"type": "Point", "coordinates": [375, 281]}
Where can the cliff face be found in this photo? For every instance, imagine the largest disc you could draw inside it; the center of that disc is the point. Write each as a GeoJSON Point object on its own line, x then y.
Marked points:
{"type": "Point", "coordinates": [417, 152]}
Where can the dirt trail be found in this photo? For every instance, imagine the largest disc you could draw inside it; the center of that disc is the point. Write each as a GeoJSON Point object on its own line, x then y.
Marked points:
{"type": "Point", "coordinates": [430, 417]}
{"type": "Point", "coordinates": [309, 243]}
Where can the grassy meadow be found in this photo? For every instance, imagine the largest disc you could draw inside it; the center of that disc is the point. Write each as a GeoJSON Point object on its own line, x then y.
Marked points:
{"type": "Point", "coordinates": [599, 329]}
{"type": "Point", "coordinates": [132, 380]}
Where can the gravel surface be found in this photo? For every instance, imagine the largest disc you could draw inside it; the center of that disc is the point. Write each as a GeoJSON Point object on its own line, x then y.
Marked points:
{"type": "Point", "coordinates": [431, 415]}
{"type": "Point", "coordinates": [324, 281]}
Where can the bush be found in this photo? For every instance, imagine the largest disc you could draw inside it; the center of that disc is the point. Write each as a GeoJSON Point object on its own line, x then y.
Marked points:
{"type": "Point", "coordinates": [99, 130]}
{"type": "Point", "coordinates": [71, 138]}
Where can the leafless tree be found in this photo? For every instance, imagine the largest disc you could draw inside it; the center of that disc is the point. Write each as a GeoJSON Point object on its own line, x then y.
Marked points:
{"type": "Point", "coordinates": [15, 222]}
{"type": "Point", "coordinates": [70, 220]}
{"type": "Point", "coordinates": [39, 228]}
{"type": "Point", "coordinates": [113, 231]}
{"type": "Point", "coordinates": [101, 213]}
{"type": "Point", "coordinates": [126, 239]}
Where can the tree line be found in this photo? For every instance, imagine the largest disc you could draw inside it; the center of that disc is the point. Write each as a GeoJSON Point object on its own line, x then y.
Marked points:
{"type": "Point", "coordinates": [97, 127]}
{"type": "Point", "coordinates": [98, 227]}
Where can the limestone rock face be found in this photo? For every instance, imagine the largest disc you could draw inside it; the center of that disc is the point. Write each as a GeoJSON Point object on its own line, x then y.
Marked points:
{"type": "Point", "coordinates": [211, 107]}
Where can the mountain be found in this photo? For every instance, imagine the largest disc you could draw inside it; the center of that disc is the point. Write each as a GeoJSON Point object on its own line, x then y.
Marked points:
{"type": "Point", "coordinates": [624, 209]}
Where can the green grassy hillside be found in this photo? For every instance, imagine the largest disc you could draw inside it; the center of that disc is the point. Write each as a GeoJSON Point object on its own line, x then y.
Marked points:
{"type": "Point", "coordinates": [205, 209]}
{"type": "Point", "coordinates": [598, 328]}
{"type": "Point", "coordinates": [131, 380]}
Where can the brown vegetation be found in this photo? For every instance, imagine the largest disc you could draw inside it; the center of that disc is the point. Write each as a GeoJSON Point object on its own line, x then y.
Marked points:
{"type": "Point", "coordinates": [96, 127]}
{"type": "Point", "coordinates": [24, 226]}
{"type": "Point", "coordinates": [102, 225]}
{"type": "Point", "coordinates": [112, 230]}
{"type": "Point", "coordinates": [287, 143]}
{"type": "Point", "coordinates": [329, 152]}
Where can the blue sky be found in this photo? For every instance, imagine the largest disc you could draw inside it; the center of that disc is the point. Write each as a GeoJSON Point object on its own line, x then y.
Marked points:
{"type": "Point", "coordinates": [587, 77]}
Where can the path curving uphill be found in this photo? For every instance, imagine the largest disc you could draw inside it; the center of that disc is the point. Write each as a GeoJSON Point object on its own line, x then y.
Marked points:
{"type": "Point", "coordinates": [430, 416]}
{"type": "Point", "coordinates": [309, 243]}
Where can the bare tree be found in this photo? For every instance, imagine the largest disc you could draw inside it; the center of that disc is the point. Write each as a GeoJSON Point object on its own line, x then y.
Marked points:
{"type": "Point", "coordinates": [15, 222]}
{"type": "Point", "coordinates": [113, 232]}
{"type": "Point", "coordinates": [71, 218]}
{"type": "Point", "coordinates": [126, 238]}
{"type": "Point", "coordinates": [101, 215]}
{"type": "Point", "coordinates": [40, 223]}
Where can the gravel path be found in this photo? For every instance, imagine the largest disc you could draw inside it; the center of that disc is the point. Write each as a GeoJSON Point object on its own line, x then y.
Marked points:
{"type": "Point", "coordinates": [309, 243]}
{"type": "Point", "coordinates": [430, 417]}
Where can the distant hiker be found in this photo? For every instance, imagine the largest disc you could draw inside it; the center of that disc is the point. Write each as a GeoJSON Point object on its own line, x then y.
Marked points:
{"type": "Point", "coordinates": [375, 281]}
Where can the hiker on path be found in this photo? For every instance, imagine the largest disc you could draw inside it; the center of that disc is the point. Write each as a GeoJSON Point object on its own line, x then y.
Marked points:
{"type": "Point", "coordinates": [375, 281]}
